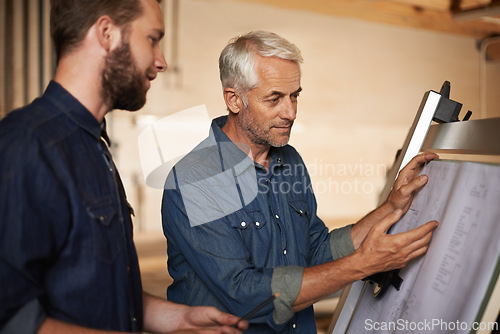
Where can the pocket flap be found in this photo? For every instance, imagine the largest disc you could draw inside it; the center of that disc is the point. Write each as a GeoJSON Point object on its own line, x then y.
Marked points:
{"type": "Point", "coordinates": [300, 207]}
{"type": "Point", "coordinates": [103, 213]}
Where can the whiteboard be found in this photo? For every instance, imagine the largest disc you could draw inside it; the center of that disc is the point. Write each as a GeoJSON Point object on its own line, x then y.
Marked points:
{"type": "Point", "coordinates": [447, 290]}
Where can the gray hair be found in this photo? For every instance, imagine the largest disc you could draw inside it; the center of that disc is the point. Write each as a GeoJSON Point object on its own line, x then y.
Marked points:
{"type": "Point", "coordinates": [237, 60]}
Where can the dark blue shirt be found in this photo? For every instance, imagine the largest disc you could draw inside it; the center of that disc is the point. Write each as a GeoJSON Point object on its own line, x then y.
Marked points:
{"type": "Point", "coordinates": [238, 233]}
{"type": "Point", "coordinates": [66, 248]}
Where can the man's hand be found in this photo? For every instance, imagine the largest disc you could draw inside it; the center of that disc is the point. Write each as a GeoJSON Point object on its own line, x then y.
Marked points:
{"type": "Point", "coordinates": [381, 252]}
{"type": "Point", "coordinates": [384, 251]}
{"type": "Point", "coordinates": [163, 316]}
{"type": "Point", "coordinates": [408, 182]}
{"type": "Point", "coordinates": [206, 319]}
{"type": "Point", "coordinates": [376, 251]}
{"type": "Point", "coordinates": [400, 197]}
{"type": "Point", "coordinates": [187, 320]}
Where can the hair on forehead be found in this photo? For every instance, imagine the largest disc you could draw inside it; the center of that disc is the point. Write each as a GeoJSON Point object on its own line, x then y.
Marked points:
{"type": "Point", "coordinates": [71, 19]}
{"type": "Point", "coordinates": [237, 60]}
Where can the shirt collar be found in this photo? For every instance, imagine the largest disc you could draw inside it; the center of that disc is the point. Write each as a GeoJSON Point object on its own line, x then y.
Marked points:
{"type": "Point", "coordinates": [231, 155]}
{"type": "Point", "coordinates": [70, 106]}
{"type": "Point", "coordinates": [217, 125]}
{"type": "Point", "coordinates": [230, 150]}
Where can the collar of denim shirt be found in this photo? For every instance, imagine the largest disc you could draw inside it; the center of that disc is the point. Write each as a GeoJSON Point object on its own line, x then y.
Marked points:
{"type": "Point", "coordinates": [76, 111]}
{"type": "Point", "coordinates": [237, 158]}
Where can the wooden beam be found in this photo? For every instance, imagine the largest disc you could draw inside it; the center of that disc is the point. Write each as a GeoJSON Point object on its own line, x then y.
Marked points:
{"type": "Point", "coordinates": [391, 12]}
{"type": "Point", "coordinates": [442, 5]}
{"type": "Point", "coordinates": [492, 10]}
{"type": "Point", "coordinates": [470, 4]}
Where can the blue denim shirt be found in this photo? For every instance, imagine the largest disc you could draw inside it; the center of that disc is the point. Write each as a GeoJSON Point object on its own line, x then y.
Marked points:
{"type": "Point", "coordinates": [238, 233]}
{"type": "Point", "coordinates": [66, 248]}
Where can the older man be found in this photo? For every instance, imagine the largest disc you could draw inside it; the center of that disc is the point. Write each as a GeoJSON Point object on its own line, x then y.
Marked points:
{"type": "Point", "coordinates": [239, 213]}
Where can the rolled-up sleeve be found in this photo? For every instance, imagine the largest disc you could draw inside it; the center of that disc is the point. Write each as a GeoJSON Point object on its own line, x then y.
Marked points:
{"type": "Point", "coordinates": [286, 281]}
{"type": "Point", "coordinates": [341, 242]}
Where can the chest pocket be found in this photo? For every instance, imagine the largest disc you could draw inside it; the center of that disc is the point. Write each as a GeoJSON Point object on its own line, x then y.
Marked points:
{"type": "Point", "coordinates": [255, 233]}
{"type": "Point", "coordinates": [299, 212]}
{"type": "Point", "coordinates": [299, 207]}
{"type": "Point", "coordinates": [248, 218]}
{"type": "Point", "coordinates": [106, 230]}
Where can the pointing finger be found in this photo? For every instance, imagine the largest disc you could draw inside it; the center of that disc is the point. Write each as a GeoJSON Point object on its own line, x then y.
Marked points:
{"type": "Point", "coordinates": [418, 233]}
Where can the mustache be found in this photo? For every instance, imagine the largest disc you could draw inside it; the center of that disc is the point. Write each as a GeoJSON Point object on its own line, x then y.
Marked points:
{"type": "Point", "coordinates": [282, 124]}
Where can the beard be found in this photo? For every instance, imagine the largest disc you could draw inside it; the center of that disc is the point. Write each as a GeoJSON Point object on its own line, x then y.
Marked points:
{"type": "Point", "coordinates": [260, 134]}
{"type": "Point", "coordinates": [123, 86]}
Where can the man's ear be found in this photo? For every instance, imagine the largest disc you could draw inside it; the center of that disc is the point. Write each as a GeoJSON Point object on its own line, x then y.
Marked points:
{"type": "Point", "coordinates": [233, 100]}
{"type": "Point", "coordinates": [108, 33]}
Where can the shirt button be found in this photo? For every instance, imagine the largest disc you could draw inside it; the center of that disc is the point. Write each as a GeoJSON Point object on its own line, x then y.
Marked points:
{"type": "Point", "coordinates": [243, 224]}
{"type": "Point", "coordinates": [284, 252]}
{"type": "Point", "coordinates": [277, 217]}
{"type": "Point", "coordinates": [279, 159]}
{"type": "Point", "coordinates": [294, 326]}
{"type": "Point", "coordinates": [257, 224]}
{"type": "Point", "coordinates": [102, 218]}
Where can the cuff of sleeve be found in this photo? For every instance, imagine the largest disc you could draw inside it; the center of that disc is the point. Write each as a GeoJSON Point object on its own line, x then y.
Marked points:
{"type": "Point", "coordinates": [27, 320]}
{"type": "Point", "coordinates": [341, 242]}
{"type": "Point", "coordinates": [287, 281]}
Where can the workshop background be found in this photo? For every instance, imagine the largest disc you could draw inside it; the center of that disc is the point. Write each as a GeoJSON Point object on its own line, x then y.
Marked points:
{"type": "Point", "coordinates": [367, 66]}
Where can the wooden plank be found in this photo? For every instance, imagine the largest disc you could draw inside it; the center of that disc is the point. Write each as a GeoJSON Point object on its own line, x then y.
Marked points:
{"type": "Point", "coordinates": [390, 12]}
{"type": "Point", "coordinates": [470, 4]}
{"type": "Point", "coordinates": [3, 57]}
{"type": "Point", "coordinates": [32, 51]}
{"type": "Point", "coordinates": [441, 5]}
{"type": "Point", "coordinates": [480, 13]}
{"type": "Point", "coordinates": [17, 60]}
{"type": "Point", "coordinates": [446, 5]}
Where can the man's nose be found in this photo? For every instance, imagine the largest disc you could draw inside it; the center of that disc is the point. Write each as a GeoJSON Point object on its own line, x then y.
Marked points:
{"type": "Point", "coordinates": [289, 111]}
{"type": "Point", "coordinates": [160, 62]}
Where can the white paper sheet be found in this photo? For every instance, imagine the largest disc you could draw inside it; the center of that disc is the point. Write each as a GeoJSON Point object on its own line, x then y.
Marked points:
{"type": "Point", "coordinates": [443, 291]}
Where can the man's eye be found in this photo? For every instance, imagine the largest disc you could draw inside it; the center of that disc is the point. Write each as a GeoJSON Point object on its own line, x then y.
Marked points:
{"type": "Point", "coordinates": [274, 99]}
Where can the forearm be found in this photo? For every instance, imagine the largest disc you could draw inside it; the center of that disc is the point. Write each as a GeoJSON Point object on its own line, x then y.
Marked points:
{"type": "Point", "coordinates": [53, 326]}
{"type": "Point", "coordinates": [322, 280]}
{"type": "Point", "coordinates": [378, 252]}
{"type": "Point", "coordinates": [161, 315]}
